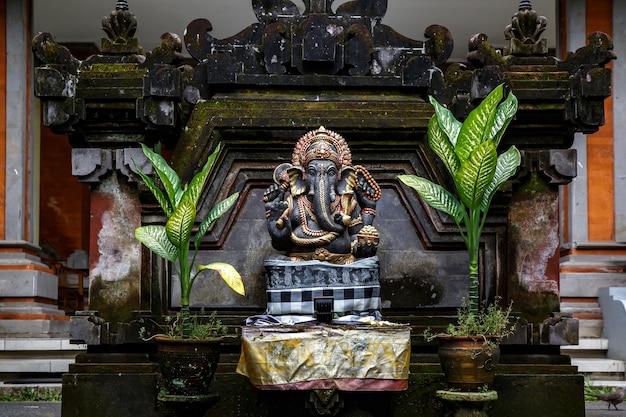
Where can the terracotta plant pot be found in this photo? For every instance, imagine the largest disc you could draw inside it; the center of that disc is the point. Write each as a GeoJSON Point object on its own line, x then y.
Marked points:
{"type": "Point", "coordinates": [187, 365]}
{"type": "Point", "coordinates": [467, 362]}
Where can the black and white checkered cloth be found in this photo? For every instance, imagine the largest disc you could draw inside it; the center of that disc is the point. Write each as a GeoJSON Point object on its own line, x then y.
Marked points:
{"type": "Point", "coordinates": [347, 300]}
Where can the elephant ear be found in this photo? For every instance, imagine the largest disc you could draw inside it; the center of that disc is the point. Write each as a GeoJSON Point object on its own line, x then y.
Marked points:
{"type": "Point", "coordinates": [296, 180]}
{"type": "Point", "coordinates": [347, 180]}
{"type": "Point", "coordinates": [280, 173]}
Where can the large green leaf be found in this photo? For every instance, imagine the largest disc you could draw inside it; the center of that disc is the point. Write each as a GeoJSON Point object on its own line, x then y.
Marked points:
{"type": "Point", "coordinates": [180, 224]}
{"type": "Point", "coordinates": [196, 185]}
{"type": "Point", "coordinates": [476, 173]}
{"type": "Point", "coordinates": [477, 127]}
{"type": "Point", "coordinates": [441, 145]}
{"type": "Point", "coordinates": [435, 195]}
{"type": "Point", "coordinates": [169, 178]}
{"type": "Point", "coordinates": [216, 212]}
{"type": "Point", "coordinates": [504, 114]}
{"type": "Point", "coordinates": [505, 168]}
{"type": "Point", "coordinates": [228, 273]}
{"type": "Point", "coordinates": [155, 238]}
{"type": "Point", "coordinates": [163, 201]}
{"type": "Point", "coordinates": [448, 123]}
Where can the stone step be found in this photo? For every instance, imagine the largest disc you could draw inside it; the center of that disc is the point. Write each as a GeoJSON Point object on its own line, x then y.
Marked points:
{"type": "Point", "coordinates": [35, 365]}
{"type": "Point", "coordinates": [588, 343]}
{"type": "Point", "coordinates": [17, 386]}
{"type": "Point", "coordinates": [614, 263]}
{"type": "Point", "coordinates": [586, 284]}
{"type": "Point", "coordinates": [599, 365]}
{"type": "Point", "coordinates": [46, 344]}
{"type": "Point", "coordinates": [580, 308]}
{"type": "Point", "coordinates": [606, 383]}
{"type": "Point", "coordinates": [590, 328]}
{"type": "Point", "coordinates": [37, 355]}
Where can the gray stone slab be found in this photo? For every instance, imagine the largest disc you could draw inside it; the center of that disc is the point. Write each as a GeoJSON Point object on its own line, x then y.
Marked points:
{"type": "Point", "coordinates": [579, 284]}
{"type": "Point", "coordinates": [35, 328]}
{"type": "Point", "coordinates": [613, 303]}
{"type": "Point", "coordinates": [30, 308]}
{"type": "Point", "coordinates": [28, 283]}
{"type": "Point", "coordinates": [594, 260]}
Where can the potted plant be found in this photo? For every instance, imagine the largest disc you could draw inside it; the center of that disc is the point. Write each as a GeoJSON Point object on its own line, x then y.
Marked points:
{"type": "Point", "coordinates": [468, 150]}
{"type": "Point", "coordinates": [187, 334]}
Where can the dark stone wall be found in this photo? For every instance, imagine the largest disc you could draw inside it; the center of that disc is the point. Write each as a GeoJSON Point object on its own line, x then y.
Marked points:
{"type": "Point", "coordinates": [423, 261]}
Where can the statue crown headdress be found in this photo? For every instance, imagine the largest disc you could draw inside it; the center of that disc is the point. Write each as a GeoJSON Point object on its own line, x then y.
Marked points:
{"type": "Point", "coordinates": [322, 144]}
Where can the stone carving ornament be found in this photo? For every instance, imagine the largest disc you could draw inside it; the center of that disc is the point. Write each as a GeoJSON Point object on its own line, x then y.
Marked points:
{"type": "Point", "coordinates": [321, 207]}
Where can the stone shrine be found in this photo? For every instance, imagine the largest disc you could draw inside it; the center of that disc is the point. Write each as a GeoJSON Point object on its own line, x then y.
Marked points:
{"type": "Point", "coordinates": [255, 92]}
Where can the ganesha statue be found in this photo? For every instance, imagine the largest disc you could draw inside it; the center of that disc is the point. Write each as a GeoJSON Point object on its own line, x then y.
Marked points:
{"type": "Point", "coordinates": [321, 207]}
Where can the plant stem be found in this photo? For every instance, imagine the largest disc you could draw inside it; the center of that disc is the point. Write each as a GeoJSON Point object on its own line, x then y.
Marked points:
{"type": "Point", "coordinates": [185, 316]}
{"type": "Point", "coordinates": [473, 243]}
{"type": "Point", "coordinates": [473, 281]}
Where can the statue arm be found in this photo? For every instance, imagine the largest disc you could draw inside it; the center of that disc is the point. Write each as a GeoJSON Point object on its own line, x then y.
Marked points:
{"type": "Point", "coordinates": [364, 235]}
{"type": "Point", "coordinates": [277, 214]}
{"type": "Point", "coordinates": [367, 192]}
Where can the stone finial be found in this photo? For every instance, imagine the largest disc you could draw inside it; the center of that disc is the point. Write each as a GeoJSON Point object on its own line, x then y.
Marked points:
{"type": "Point", "coordinates": [525, 32]}
{"type": "Point", "coordinates": [121, 5]}
{"type": "Point", "coordinates": [525, 5]}
{"type": "Point", "coordinates": [120, 27]}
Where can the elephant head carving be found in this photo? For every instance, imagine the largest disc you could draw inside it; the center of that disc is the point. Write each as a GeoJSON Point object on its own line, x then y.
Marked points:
{"type": "Point", "coordinates": [312, 205]}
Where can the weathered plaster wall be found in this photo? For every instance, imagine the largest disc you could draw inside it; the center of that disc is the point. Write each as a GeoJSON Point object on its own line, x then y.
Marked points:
{"type": "Point", "coordinates": [115, 253]}
{"type": "Point", "coordinates": [533, 265]}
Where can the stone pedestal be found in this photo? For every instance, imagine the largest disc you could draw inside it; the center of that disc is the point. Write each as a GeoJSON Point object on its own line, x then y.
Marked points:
{"type": "Point", "coordinates": [28, 294]}
{"type": "Point", "coordinates": [467, 404]}
{"type": "Point", "coordinates": [292, 287]}
{"type": "Point", "coordinates": [182, 405]}
{"type": "Point", "coordinates": [110, 384]}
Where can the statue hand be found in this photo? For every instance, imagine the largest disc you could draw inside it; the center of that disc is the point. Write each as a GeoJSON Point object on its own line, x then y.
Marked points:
{"type": "Point", "coordinates": [365, 193]}
{"type": "Point", "coordinates": [273, 192]}
{"type": "Point", "coordinates": [340, 218]}
{"type": "Point", "coordinates": [278, 223]}
{"type": "Point", "coordinates": [366, 242]}
{"type": "Point", "coordinates": [275, 209]}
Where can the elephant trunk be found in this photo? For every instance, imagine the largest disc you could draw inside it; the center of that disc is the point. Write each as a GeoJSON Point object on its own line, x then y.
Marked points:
{"type": "Point", "coordinates": [321, 204]}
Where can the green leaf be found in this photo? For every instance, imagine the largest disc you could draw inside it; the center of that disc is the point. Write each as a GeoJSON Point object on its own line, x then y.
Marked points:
{"type": "Point", "coordinates": [228, 273]}
{"type": "Point", "coordinates": [477, 127]}
{"type": "Point", "coordinates": [216, 212]}
{"type": "Point", "coordinates": [504, 114]}
{"type": "Point", "coordinates": [476, 173]}
{"type": "Point", "coordinates": [505, 168]}
{"type": "Point", "coordinates": [163, 201]}
{"type": "Point", "coordinates": [169, 178]}
{"type": "Point", "coordinates": [180, 224]}
{"type": "Point", "coordinates": [155, 238]}
{"type": "Point", "coordinates": [441, 145]}
{"type": "Point", "coordinates": [448, 123]}
{"type": "Point", "coordinates": [435, 195]}
{"type": "Point", "coordinates": [196, 185]}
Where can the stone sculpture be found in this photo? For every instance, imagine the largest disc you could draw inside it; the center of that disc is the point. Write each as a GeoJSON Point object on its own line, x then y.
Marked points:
{"type": "Point", "coordinates": [322, 207]}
